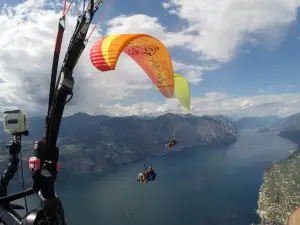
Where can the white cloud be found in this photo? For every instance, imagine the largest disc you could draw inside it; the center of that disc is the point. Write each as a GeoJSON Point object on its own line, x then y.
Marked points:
{"type": "Point", "coordinates": [217, 103]}
{"type": "Point", "coordinates": [27, 51]}
{"type": "Point", "coordinates": [193, 73]}
{"type": "Point", "coordinates": [149, 25]}
{"type": "Point", "coordinates": [221, 26]}
{"type": "Point", "coordinates": [140, 23]}
{"type": "Point", "coordinates": [26, 58]}
{"type": "Point", "coordinates": [245, 104]}
{"type": "Point", "coordinates": [218, 28]}
{"type": "Point", "coordinates": [260, 105]}
{"type": "Point", "coordinates": [215, 32]}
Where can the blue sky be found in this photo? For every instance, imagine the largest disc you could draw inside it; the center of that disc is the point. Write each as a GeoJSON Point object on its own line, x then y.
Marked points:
{"type": "Point", "coordinates": [263, 70]}
{"type": "Point", "coordinates": [255, 70]}
{"type": "Point", "coordinates": [254, 46]}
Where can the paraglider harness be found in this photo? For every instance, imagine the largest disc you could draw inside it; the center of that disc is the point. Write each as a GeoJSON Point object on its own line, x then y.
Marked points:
{"type": "Point", "coordinates": [149, 174]}
{"type": "Point", "coordinates": [44, 164]}
{"type": "Point", "coordinates": [172, 142]}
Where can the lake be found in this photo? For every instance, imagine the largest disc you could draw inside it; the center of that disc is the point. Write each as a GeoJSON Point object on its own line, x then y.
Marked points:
{"type": "Point", "coordinates": [216, 186]}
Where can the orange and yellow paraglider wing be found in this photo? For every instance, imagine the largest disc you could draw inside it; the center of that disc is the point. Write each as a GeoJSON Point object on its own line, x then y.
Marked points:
{"type": "Point", "coordinates": [155, 60]}
{"type": "Point", "coordinates": [105, 53]}
{"type": "Point", "coordinates": [147, 51]}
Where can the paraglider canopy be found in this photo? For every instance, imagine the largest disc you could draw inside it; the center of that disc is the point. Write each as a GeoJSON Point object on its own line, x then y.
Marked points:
{"type": "Point", "coordinates": [146, 50]}
{"type": "Point", "coordinates": [182, 91]}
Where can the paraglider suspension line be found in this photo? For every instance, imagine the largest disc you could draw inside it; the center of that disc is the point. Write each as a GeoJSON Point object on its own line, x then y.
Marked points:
{"type": "Point", "coordinates": [66, 10]}
{"type": "Point", "coordinates": [101, 17]}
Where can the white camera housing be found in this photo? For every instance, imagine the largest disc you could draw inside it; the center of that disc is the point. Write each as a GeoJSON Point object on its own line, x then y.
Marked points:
{"type": "Point", "coordinates": [15, 122]}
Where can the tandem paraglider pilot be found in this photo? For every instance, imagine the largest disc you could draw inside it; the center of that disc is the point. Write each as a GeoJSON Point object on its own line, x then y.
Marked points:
{"type": "Point", "coordinates": [148, 175]}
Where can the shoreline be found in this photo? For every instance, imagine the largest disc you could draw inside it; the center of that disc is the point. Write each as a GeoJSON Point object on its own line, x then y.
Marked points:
{"type": "Point", "coordinates": [108, 171]}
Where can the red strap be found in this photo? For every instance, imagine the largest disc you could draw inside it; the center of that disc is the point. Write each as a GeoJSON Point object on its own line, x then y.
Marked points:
{"type": "Point", "coordinates": [65, 4]}
{"type": "Point", "coordinates": [111, 2]}
{"type": "Point", "coordinates": [66, 10]}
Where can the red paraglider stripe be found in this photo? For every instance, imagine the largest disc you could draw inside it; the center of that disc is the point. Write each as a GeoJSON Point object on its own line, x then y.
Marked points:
{"type": "Point", "coordinates": [97, 57]}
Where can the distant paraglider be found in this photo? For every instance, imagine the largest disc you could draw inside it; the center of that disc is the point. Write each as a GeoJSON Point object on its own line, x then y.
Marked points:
{"type": "Point", "coordinates": [171, 143]}
{"type": "Point", "coordinates": [183, 95]}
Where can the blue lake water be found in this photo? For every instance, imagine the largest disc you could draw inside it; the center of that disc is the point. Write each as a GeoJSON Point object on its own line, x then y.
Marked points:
{"type": "Point", "coordinates": [216, 186]}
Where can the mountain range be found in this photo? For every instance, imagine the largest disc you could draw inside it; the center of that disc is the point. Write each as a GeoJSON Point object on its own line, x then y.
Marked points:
{"type": "Point", "coordinates": [257, 123]}
{"type": "Point", "coordinates": [288, 127]}
{"type": "Point", "coordinates": [97, 143]}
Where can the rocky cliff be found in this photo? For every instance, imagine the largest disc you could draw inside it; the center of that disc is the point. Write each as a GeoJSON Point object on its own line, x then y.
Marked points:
{"type": "Point", "coordinates": [292, 134]}
{"type": "Point", "coordinates": [279, 195]}
{"type": "Point", "coordinates": [289, 128]}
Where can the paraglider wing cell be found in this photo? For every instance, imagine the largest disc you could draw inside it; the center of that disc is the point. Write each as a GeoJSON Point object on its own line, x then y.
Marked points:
{"type": "Point", "coordinates": [182, 91]}
{"type": "Point", "coordinates": [148, 52]}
